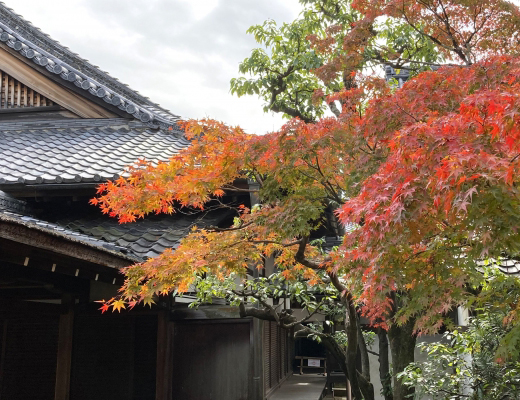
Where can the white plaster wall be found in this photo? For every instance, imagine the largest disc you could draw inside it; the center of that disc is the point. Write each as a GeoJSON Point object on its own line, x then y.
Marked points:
{"type": "Point", "coordinates": [374, 363]}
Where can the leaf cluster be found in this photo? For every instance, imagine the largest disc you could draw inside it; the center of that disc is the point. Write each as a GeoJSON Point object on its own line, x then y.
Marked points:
{"type": "Point", "coordinates": [465, 365]}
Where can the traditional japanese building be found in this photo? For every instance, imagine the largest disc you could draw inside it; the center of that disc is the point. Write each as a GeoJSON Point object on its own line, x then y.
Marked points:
{"type": "Point", "coordinates": [65, 127]}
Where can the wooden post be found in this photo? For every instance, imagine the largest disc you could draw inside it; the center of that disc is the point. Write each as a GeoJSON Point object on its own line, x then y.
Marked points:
{"type": "Point", "coordinates": [64, 348]}
{"type": "Point", "coordinates": [164, 371]}
{"type": "Point", "coordinates": [257, 388]}
{"type": "Point", "coordinates": [3, 348]}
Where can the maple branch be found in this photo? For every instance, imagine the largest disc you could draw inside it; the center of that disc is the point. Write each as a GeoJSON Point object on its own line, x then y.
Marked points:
{"type": "Point", "coordinates": [334, 109]}
{"type": "Point", "coordinates": [476, 29]}
{"type": "Point", "coordinates": [300, 255]}
{"type": "Point", "coordinates": [334, 279]}
{"type": "Point", "coordinates": [217, 229]}
{"type": "Point", "coordinates": [259, 179]}
{"type": "Point", "coordinates": [432, 38]}
{"type": "Point", "coordinates": [301, 321]}
{"type": "Point", "coordinates": [449, 28]}
{"type": "Point", "coordinates": [326, 182]}
{"type": "Point", "coordinates": [397, 65]}
{"type": "Point", "coordinates": [274, 242]}
{"type": "Point", "coordinates": [237, 189]}
{"type": "Point", "coordinates": [406, 112]}
{"type": "Point", "coordinates": [272, 311]}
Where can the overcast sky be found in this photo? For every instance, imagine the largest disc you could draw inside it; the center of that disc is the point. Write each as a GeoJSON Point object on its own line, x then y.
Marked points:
{"type": "Point", "coordinates": [180, 53]}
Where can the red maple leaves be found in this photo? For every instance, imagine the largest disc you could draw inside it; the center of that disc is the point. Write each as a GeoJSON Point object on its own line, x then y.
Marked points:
{"type": "Point", "coordinates": [448, 185]}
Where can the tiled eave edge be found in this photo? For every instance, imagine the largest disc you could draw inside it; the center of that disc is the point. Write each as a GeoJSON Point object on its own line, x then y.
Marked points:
{"type": "Point", "coordinates": [68, 73]}
{"type": "Point", "coordinates": [507, 265]}
{"type": "Point", "coordinates": [30, 234]}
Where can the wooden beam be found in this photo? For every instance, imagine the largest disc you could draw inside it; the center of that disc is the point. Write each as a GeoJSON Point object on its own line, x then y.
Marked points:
{"type": "Point", "coordinates": [46, 87]}
{"type": "Point", "coordinates": [63, 365]}
{"type": "Point", "coordinates": [256, 387]}
{"type": "Point", "coordinates": [19, 94]}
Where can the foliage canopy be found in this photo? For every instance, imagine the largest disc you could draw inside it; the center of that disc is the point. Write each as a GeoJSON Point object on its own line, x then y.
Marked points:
{"type": "Point", "coordinates": [428, 174]}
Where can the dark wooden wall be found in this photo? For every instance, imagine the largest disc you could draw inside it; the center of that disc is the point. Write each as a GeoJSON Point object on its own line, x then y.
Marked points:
{"type": "Point", "coordinates": [212, 360]}
{"type": "Point", "coordinates": [114, 357]}
{"type": "Point", "coordinates": [29, 344]}
{"type": "Point", "coordinates": [276, 355]}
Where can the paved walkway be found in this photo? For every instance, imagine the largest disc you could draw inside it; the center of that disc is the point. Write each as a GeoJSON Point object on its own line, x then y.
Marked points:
{"type": "Point", "coordinates": [301, 387]}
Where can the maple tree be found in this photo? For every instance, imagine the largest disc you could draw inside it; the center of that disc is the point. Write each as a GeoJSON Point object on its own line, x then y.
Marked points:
{"type": "Point", "coordinates": [428, 174]}
{"type": "Point", "coordinates": [465, 365]}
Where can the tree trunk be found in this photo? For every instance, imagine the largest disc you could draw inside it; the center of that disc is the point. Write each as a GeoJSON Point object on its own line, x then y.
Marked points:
{"type": "Point", "coordinates": [363, 352]}
{"type": "Point", "coordinates": [384, 365]}
{"type": "Point", "coordinates": [360, 385]}
{"type": "Point", "coordinates": [402, 346]}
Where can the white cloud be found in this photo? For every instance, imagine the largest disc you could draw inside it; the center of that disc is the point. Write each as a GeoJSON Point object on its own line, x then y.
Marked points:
{"type": "Point", "coordinates": [180, 53]}
{"type": "Point", "coordinates": [201, 8]}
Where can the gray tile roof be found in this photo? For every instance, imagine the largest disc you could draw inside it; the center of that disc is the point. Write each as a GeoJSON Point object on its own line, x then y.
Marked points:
{"type": "Point", "coordinates": [9, 203]}
{"type": "Point", "coordinates": [79, 151]}
{"type": "Point", "coordinates": [146, 237]}
{"type": "Point", "coordinates": [42, 50]}
{"type": "Point", "coordinates": [508, 265]}
{"type": "Point", "coordinates": [138, 241]}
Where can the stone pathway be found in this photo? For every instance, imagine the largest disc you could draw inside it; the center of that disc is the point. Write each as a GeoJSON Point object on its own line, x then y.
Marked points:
{"type": "Point", "coordinates": [301, 387]}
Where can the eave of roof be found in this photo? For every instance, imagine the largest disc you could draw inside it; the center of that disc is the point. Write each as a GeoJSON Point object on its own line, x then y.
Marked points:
{"type": "Point", "coordinates": [22, 228]}
{"type": "Point", "coordinates": [137, 241]}
{"type": "Point", "coordinates": [39, 48]}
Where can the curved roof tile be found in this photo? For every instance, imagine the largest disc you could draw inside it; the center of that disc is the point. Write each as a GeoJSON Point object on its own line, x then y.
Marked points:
{"type": "Point", "coordinates": [56, 154]}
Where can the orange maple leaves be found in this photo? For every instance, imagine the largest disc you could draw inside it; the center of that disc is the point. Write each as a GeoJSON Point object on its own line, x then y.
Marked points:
{"type": "Point", "coordinates": [435, 154]}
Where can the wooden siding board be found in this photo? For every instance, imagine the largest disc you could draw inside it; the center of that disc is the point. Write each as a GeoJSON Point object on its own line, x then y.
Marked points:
{"type": "Point", "coordinates": [276, 351]}
{"type": "Point", "coordinates": [267, 357]}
